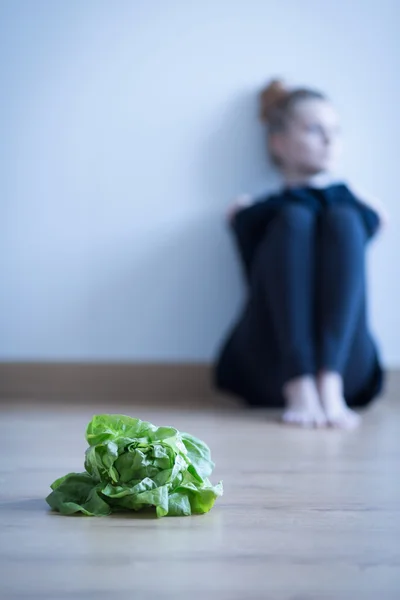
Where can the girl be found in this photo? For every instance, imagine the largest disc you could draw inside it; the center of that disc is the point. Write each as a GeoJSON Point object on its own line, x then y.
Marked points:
{"type": "Point", "coordinates": [302, 340]}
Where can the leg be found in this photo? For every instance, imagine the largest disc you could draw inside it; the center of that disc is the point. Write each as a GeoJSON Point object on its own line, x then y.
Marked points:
{"type": "Point", "coordinates": [363, 376]}
{"type": "Point", "coordinates": [341, 292]}
{"type": "Point", "coordinates": [283, 282]}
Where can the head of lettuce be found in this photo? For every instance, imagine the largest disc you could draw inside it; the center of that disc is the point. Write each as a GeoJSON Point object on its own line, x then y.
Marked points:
{"type": "Point", "coordinates": [131, 464]}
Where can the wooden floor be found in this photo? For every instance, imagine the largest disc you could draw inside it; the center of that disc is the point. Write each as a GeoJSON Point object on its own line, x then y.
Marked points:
{"type": "Point", "coordinates": [306, 515]}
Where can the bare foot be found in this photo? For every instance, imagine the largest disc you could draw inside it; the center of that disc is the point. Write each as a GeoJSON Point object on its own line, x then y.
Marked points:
{"type": "Point", "coordinates": [302, 403]}
{"type": "Point", "coordinates": [338, 414]}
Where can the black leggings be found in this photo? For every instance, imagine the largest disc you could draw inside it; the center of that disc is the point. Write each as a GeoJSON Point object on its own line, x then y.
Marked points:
{"type": "Point", "coordinates": [312, 277]}
{"type": "Point", "coordinates": [306, 310]}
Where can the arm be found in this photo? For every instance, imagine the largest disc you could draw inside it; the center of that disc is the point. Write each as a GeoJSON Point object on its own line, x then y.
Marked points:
{"type": "Point", "coordinates": [248, 224]}
{"type": "Point", "coordinates": [373, 207]}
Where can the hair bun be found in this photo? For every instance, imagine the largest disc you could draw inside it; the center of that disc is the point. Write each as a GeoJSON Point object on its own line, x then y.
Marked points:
{"type": "Point", "coordinates": [272, 95]}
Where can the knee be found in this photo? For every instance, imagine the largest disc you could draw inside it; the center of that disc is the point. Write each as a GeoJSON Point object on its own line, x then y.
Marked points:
{"type": "Point", "coordinates": [296, 219]}
{"type": "Point", "coordinates": [343, 222]}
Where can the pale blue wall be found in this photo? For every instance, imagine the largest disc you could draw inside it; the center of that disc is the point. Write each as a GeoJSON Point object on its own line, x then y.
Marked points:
{"type": "Point", "coordinates": [127, 126]}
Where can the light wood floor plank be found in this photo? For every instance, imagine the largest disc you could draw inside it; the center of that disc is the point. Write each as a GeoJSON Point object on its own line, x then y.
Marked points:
{"type": "Point", "coordinates": [306, 515]}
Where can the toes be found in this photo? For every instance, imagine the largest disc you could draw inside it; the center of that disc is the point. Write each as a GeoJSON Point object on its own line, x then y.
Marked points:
{"type": "Point", "coordinates": [339, 419]}
{"type": "Point", "coordinates": [304, 419]}
{"type": "Point", "coordinates": [320, 420]}
{"type": "Point", "coordinates": [292, 417]}
{"type": "Point", "coordinates": [345, 420]}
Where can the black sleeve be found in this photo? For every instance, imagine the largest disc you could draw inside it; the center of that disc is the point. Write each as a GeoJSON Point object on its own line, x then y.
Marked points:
{"type": "Point", "coordinates": [249, 225]}
{"type": "Point", "coordinates": [369, 216]}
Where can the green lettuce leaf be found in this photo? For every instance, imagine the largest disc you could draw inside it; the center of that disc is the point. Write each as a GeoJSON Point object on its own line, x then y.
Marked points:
{"type": "Point", "coordinates": [132, 464]}
{"type": "Point", "coordinates": [77, 492]}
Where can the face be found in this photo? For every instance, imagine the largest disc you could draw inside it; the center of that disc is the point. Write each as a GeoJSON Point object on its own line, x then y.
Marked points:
{"type": "Point", "coordinates": [310, 142]}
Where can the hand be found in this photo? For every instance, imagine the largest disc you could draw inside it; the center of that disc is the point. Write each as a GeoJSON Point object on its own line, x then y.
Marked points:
{"type": "Point", "coordinates": [241, 202]}
{"type": "Point", "coordinates": [376, 206]}
{"type": "Point", "coordinates": [383, 217]}
{"type": "Point", "coordinates": [380, 210]}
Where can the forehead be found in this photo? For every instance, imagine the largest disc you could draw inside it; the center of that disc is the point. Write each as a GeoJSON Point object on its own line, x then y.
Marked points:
{"type": "Point", "coordinates": [311, 111]}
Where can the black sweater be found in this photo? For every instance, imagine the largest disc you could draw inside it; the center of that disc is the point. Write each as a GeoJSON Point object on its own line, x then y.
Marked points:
{"type": "Point", "coordinates": [250, 224]}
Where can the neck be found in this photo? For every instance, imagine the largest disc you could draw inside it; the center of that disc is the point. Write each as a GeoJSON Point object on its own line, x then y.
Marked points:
{"type": "Point", "coordinates": [296, 179]}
